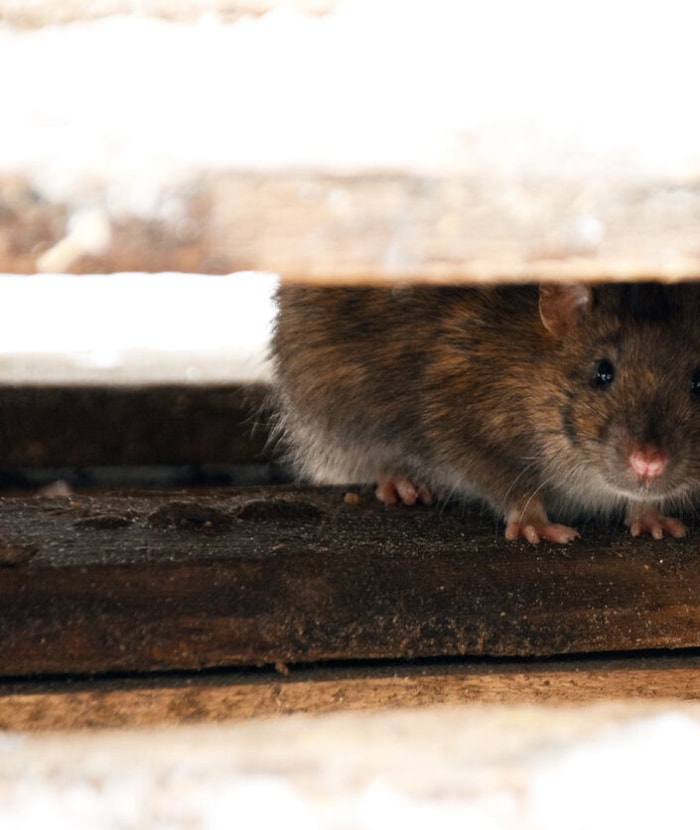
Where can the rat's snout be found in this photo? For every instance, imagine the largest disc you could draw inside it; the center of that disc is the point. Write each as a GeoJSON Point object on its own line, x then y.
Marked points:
{"type": "Point", "coordinates": [647, 463]}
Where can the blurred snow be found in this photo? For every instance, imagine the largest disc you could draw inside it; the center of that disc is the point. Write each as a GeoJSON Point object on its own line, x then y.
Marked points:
{"type": "Point", "coordinates": [638, 775]}
{"type": "Point", "coordinates": [120, 112]}
{"type": "Point", "coordinates": [135, 328]}
{"type": "Point", "coordinates": [366, 772]}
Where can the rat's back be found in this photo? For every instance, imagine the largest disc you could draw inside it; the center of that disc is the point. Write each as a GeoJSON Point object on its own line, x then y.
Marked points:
{"type": "Point", "coordinates": [347, 363]}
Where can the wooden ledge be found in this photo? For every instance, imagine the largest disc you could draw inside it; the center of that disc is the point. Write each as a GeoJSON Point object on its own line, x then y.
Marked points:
{"type": "Point", "coordinates": [59, 704]}
{"type": "Point", "coordinates": [82, 426]}
{"type": "Point", "coordinates": [150, 582]}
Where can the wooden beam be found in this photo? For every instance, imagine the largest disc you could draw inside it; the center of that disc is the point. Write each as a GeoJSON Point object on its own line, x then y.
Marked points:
{"type": "Point", "coordinates": [454, 227]}
{"type": "Point", "coordinates": [79, 426]}
{"type": "Point", "coordinates": [257, 577]}
{"type": "Point", "coordinates": [392, 226]}
{"type": "Point", "coordinates": [239, 695]}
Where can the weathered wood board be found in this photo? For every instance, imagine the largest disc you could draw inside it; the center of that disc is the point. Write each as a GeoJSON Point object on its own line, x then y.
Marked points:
{"type": "Point", "coordinates": [80, 426]}
{"type": "Point", "coordinates": [279, 576]}
{"type": "Point", "coordinates": [50, 704]}
{"type": "Point", "coordinates": [392, 227]}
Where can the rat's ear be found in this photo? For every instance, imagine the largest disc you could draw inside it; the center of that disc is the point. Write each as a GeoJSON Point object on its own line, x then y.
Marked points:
{"type": "Point", "coordinates": [563, 303]}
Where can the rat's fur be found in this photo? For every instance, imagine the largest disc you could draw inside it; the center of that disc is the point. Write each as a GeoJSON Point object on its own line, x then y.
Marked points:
{"type": "Point", "coordinates": [492, 392]}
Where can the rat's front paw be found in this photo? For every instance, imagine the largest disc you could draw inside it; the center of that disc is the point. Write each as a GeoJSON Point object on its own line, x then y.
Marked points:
{"type": "Point", "coordinates": [403, 491]}
{"type": "Point", "coordinates": [535, 532]}
{"type": "Point", "coordinates": [529, 521]}
{"type": "Point", "coordinates": [645, 519]}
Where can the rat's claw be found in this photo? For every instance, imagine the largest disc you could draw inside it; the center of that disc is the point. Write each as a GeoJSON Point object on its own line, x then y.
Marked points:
{"type": "Point", "coordinates": [534, 533]}
{"type": "Point", "coordinates": [562, 534]}
{"type": "Point", "coordinates": [527, 519]}
{"type": "Point", "coordinates": [646, 520]}
{"type": "Point", "coordinates": [403, 491]}
{"type": "Point", "coordinates": [657, 529]}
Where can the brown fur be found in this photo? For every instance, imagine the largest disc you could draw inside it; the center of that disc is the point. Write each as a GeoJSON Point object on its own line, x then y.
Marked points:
{"type": "Point", "coordinates": [492, 391]}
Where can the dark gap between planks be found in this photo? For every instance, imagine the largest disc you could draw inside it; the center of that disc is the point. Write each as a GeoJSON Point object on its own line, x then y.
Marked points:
{"type": "Point", "coordinates": [617, 661]}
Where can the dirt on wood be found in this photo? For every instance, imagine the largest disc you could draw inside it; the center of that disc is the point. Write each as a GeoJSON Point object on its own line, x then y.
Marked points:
{"type": "Point", "coordinates": [282, 576]}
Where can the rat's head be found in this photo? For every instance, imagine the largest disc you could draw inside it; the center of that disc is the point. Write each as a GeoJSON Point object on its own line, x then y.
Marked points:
{"type": "Point", "coordinates": [630, 362]}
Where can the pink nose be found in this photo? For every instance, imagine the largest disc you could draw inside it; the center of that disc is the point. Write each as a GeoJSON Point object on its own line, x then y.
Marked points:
{"type": "Point", "coordinates": [647, 463]}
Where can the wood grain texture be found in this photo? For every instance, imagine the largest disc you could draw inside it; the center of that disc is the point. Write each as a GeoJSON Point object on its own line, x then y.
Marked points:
{"type": "Point", "coordinates": [79, 426]}
{"type": "Point", "coordinates": [239, 695]}
{"type": "Point", "coordinates": [285, 576]}
{"type": "Point", "coordinates": [390, 226]}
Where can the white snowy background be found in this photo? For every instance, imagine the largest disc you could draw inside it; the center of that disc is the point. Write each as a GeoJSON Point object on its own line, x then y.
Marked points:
{"type": "Point", "coordinates": [121, 108]}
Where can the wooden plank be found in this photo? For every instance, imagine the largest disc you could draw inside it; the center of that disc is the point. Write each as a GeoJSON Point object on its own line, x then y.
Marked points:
{"type": "Point", "coordinates": [393, 226]}
{"type": "Point", "coordinates": [256, 577]}
{"type": "Point", "coordinates": [240, 695]}
{"type": "Point", "coordinates": [64, 426]}
{"type": "Point", "coordinates": [455, 227]}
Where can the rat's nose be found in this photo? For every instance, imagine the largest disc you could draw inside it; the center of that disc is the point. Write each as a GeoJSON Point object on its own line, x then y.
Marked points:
{"type": "Point", "coordinates": [648, 463]}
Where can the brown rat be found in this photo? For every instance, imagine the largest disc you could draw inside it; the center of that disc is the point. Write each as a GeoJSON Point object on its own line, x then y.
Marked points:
{"type": "Point", "coordinates": [572, 399]}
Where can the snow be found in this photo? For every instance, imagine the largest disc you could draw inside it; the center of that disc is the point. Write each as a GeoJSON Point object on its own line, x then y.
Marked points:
{"type": "Point", "coordinates": [638, 775]}
{"type": "Point", "coordinates": [389, 772]}
{"type": "Point", "coordinates": [126, 328]}
{"type": "Point", "coordinates": [121, 111]}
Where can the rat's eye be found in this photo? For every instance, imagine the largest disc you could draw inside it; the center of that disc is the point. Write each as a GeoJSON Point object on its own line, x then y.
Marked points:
{"type": "Point", "coordinates": [605, 373]}
{"type": "Point", "coordinates": [695, 385]}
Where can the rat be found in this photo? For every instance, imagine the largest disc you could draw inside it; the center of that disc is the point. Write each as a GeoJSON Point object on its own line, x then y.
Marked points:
{"type": "Point", "coordinates": [565, 399]}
